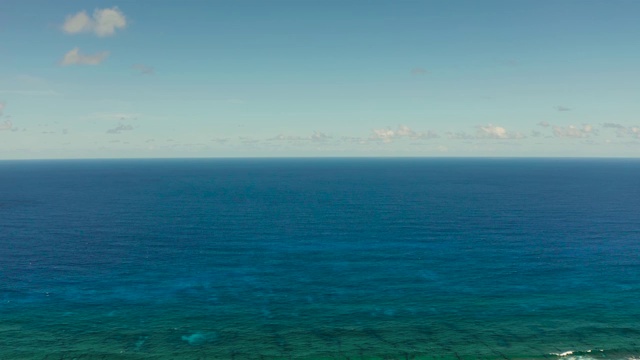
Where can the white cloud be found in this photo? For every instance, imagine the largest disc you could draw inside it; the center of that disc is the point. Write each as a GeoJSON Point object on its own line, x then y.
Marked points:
{"type": "Point", "coordinates": [573, 131]}
{"type": "Point", "coordinates": [77, 23]}
{"type": "Point", "coordinates": [496, 132]}
{"type": "Point", "coordinates": [1, 108]}
{"type": "Point", "coordinates": [74, 57]}
{"type": "Point", "coordinates": [104, 22]}
{"type": "Point", "coordinates": [387, 135]}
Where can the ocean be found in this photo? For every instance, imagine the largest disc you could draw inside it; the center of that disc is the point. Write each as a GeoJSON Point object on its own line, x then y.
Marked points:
{"type": "Point", "coordinates": [320, 259]}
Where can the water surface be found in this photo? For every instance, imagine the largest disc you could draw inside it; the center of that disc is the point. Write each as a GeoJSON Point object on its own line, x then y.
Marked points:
{"type": "Point", "coordinates": [320, 259]}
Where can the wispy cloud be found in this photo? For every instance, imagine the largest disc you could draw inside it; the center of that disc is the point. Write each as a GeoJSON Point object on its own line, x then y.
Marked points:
{"type": "Point", "coordinates": [143, 69]}
{"type": "Point", "coordinates": [623, 131]}
{"type": "Point", "coordinates": [220, 140]}
{"type": "Point", "coordinates": [31, 92]}
{"type": "Point", "coordinates": [74, 57]}
{"type": "Point", "coordinates": [562, 108]}
{"type": "Point", "coordinates": [29, 80]}
{"type": "Point", "coordinates": [117, 116]}
{"type": "Point", "coordinates": [247, 140]}
{"type": "Point", "coordinates": [418, 71]}
{"type": "Point", "coordinates": [317, 136]}
{"type": "Point", "coordinates": [613, 126]}
{"type": "Point", "coordinates": [459, 135]}
{"type": "Point", "coordinates": [29, 85]}
{"type": "Point", "coordinates": [388, 135]}
{"type": "Point", "coordinates": [6, 125]}
{"type": "Point", "coordinates": [573, 131]}
{"type": "Point", "coordinates": [496, 132]}
{"type": "Point", "coordinates": [119, 129]}
{"type": "Point", "coordinates": [104, 22]}
{"type": "Point", "coordinates": [353, 140]}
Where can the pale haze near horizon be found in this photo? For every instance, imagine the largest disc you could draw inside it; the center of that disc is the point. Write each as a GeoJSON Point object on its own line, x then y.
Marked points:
{"type": "Point", "coordinates": [131, 79]}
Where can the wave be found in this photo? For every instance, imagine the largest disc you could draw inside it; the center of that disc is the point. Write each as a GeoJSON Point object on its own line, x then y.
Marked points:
{"type": "Point", "coordinates": [594, 354]}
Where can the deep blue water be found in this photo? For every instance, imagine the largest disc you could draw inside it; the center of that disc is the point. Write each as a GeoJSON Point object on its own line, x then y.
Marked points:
{"type": "Point", "coordinates": [320, 259]}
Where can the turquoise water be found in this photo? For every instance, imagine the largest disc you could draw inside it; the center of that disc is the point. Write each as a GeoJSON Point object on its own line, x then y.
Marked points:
{"type": "Point", "coordinates": [320, 259]}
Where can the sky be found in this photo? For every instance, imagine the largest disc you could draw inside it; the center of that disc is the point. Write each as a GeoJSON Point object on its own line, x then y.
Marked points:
{"type": "Point", "coordinates": [241, 78]}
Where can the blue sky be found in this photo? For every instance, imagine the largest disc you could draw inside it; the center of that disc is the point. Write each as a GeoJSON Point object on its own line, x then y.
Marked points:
{"type": "Point", "coordinates": [86, 79]}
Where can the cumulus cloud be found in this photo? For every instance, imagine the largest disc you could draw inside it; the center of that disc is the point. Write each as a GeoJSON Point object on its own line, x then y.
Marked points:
{"type": "Point", "coordinates": [388, 135]}
{"type": "Point", "coordinates": [119, 129]}
{"type": "Point", "coordinates": [74, 57]}
{"type": "Point", "coordinates": [104, 22]}
{"type": "Point", "coordinates": [573, 131]}
{"type": "Point", "coordinates": [489, 131]}
{"type": "Point", "coordinates": [543, 124]}
{"type": "Point", "coordinates": [143, 69]}
{"type": "Point", "coordinates": [496, 132]}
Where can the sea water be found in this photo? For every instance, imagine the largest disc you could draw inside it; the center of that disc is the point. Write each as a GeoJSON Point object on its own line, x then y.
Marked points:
{"type": "Point", "coordinates": [320, 259]}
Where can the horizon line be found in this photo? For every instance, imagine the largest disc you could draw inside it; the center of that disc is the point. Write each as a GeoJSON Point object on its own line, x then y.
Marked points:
{"type": "Point", "coordinates": [335, 158]}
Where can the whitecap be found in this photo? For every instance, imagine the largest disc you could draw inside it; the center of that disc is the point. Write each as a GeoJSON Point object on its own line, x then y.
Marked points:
{"type": "Point", "coordinates": [566, 353]}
